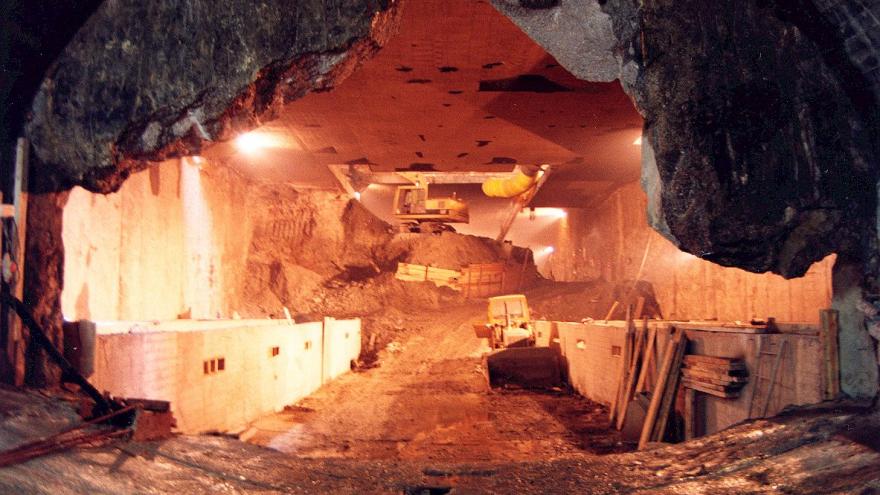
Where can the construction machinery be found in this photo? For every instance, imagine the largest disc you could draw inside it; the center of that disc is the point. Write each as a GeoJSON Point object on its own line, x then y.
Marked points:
{"type": "Point", "coordinates": [514, 359]}
{"type": "Point", "coordinates": [509, 323]}
{"type": "Point", "coordinates": [419, 212]}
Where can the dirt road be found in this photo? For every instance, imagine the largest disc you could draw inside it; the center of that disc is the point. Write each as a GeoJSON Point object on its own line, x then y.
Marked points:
{"type": "Point", "coordinates": [430, 400]}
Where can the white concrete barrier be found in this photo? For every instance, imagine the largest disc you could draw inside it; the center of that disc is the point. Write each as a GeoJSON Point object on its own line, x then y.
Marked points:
{"type": "Point", "coordinates": [220, 375]}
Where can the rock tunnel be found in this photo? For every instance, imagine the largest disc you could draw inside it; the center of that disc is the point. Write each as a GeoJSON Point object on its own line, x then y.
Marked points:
{"type": "Point", "coordinates": [207, 208]}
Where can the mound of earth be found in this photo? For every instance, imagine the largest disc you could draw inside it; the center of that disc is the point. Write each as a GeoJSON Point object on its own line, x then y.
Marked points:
{"type": "Point", "coordinates": [455, 251]}
{"type": "Point", "coordinates": [575, 301]}
{"type": "Point", "coordinates": [318, 253]}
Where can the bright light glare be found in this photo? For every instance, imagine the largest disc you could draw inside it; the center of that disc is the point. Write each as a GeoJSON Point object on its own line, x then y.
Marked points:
{"type": "Point", "coordinates": [638, 141]}
{"type": "Point", "coordinates": [551, 212]}
{"type": "Point", "coordinates": [251, 142]}
{"type": "Point", "coordinates": [357, 195]}
{"type": "Point", "coordinates": [548, 250]}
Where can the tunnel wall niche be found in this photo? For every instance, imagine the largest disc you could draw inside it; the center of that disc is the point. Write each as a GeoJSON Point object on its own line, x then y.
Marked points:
{"type": "Point", "coordinates": [609, 242]}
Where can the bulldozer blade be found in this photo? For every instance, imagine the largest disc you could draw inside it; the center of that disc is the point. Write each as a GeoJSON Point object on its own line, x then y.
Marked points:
{"type": "Point", "coordinates": [526, 367]}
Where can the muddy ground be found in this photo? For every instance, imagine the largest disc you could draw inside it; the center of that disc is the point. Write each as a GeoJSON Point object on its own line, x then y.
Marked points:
{"type": "Point", "coordinates": [429, 400]}
{"type": "Point", "coordinates": [424, 421]}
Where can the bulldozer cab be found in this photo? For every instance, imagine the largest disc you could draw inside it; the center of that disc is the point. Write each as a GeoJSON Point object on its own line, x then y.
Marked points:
{"type": "Point", "coordinates": [511, 310]}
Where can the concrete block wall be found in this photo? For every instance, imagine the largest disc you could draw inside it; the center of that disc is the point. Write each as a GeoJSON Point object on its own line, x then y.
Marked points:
{"type": "Point", "coordinates": [340, 334]}
{"type": "Point", "coordinates": [544, 332]}
{"type": "Point", "coordinates": [591, 356]}
{"type": "Point", "coordinates": [220, 375]}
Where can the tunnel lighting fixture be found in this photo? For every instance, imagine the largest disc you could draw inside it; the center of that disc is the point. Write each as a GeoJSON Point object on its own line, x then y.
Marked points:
{"type": "Point", "coordinates": [638, 141]}
{"type": "Point", "coordinates": [547, 213]}
{"type": "Point", "coordinates": [252, 142]}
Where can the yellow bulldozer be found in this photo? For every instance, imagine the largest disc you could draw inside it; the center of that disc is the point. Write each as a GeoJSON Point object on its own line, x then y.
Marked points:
{"type": "Point", "coordinates": [514, 358]}
{"type": "Point", "coordinates": [509, 323]}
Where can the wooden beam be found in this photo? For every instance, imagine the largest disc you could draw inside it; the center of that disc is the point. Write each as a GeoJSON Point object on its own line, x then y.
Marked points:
{"type": "Point", "coordinates": [671, 387]}
{"type": "Point", "coordinates": [629, 387]}
{"type": "Point", "coordinates": [690, 398]}
{"type": "Point", "coordinates": [343, 179]}
{"type": "Point", "coordinates": [664, 391]}
{"type": "Point", "coordinates": [647, 362]}
{"type": "Point", "coordinates": [828, 337]}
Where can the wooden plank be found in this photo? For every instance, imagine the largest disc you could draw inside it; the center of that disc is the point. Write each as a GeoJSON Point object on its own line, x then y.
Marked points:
{"type": "Point", "coordinates": [647, 362]}
{"type": "Point", "coordinates": [671, 388]}
{"type": "Point", "coordinates": [611, 311]}
{"type": "Point", "coordinates": [828, 336]}
{"type": "Point", "coordinates": [736, 371]}
{"type": "Point", "coordinates": [689, 414]}
{"type": "Point", "coordinates": [15, 343]}
{"type": "Point", "coordinates": [652, 416]}
{"type": "Point", "coordinates": [721, 387]}
{"type": "Point", "coordinates": [631, 374]}
{"type": "Point", "coordinates": [640, 306]}
{"type": "Point", "coordinates": [698, 375]}
{"type": "Point", "coordinates": [700, 388]}
{"type": "Point", "coordinates": [773, 376]}
{"type": "Point", "coordinates": [749, 329]}
{"type": "Point", "coordinates": [731, 363]}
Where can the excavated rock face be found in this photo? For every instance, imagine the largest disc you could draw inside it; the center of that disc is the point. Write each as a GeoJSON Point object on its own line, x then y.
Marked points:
{"type": "Point", "coordinates": [761, 135]}
{"type": "Point", "coordinates": [152, 80]}
{"type": "Point", "coordinates": [576, 32]}
{"type": "Point", "coordinates": [764, 140]}
{"type": "Point", "coordinates": [761, 122]}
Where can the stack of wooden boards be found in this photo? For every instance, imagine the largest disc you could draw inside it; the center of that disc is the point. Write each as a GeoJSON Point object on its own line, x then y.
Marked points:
{"type": "Point", "coordinates": [721, 377]}
{"type": "Point", "coordinates": [475, 280]}
{"type": "Point", "coordinates": [441, 277]}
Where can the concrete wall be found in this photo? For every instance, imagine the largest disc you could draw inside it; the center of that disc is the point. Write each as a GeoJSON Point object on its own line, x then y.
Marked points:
{"type": "Point", "coordinates": [609, 241]}
{"type": "Point", "coordinates": [267, 364]}
{"type": "Point", "coordinates": [591, 357]}
{"type": "Point", "coordinates": [173, 241]}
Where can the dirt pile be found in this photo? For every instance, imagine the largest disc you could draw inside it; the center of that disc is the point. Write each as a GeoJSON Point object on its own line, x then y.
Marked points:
{"type": "Point", "coordinates": [451, 250]}
{"type": "Point", "coordinates": [318, 253]}
{"type": "Point", "coordinates": [575, 301]}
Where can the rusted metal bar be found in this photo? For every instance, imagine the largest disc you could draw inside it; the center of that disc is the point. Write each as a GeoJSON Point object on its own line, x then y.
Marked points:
{"type": "Point", "coordinates": [63, 439]}
{"type": "Point", "coordinates": [103, 405]}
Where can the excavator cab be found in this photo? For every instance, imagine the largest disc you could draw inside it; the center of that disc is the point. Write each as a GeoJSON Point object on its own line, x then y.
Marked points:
{"type": "Point", "coordinates": [418, 212]}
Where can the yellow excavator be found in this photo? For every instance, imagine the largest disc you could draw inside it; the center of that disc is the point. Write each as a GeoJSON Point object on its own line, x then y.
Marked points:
{"type": "Point", "coordinates": [417, 211]}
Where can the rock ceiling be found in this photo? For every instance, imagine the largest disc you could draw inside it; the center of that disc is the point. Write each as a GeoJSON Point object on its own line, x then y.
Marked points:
{"type": "Point", "coordinates": [459, 88]}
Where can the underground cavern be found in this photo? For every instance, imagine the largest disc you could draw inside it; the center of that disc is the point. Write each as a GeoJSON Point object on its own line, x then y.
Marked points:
{"type": "Point", "coordinates": [426, 247]}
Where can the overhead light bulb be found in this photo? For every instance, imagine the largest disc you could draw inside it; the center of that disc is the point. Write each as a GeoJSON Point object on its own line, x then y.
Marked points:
{"type": "Point", "coordinates": [251, 142]}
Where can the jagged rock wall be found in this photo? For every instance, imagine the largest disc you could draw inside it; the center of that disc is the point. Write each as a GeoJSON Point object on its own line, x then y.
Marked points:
{"type": "Point", "coordinates": [141, 82]}
{"type": "Point", "coordinates": [761, 134]}
{"type": "Point", "coordinates": [147, 81]}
